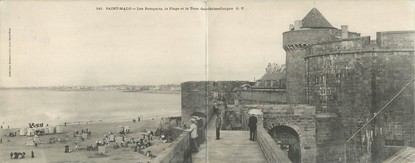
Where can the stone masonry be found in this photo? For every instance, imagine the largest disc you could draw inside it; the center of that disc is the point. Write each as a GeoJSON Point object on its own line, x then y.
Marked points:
{"type": "Point", "coordinates": [336, 81]}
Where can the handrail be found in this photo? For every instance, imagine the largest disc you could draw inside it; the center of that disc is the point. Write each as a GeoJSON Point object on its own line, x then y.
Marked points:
{"type": "Point", "coordinates": [376, 114]}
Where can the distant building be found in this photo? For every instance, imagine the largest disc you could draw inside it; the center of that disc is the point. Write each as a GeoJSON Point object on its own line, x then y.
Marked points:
{"type": "Point", "coordinates": [274, 78]}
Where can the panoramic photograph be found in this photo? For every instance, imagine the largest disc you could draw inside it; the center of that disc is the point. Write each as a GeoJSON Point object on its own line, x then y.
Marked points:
{"type": "Point", "coordinates": [155, 81]}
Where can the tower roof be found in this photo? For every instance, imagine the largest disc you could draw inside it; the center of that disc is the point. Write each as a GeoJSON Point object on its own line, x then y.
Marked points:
{"type": "Point", "coordinates": [314, 19]}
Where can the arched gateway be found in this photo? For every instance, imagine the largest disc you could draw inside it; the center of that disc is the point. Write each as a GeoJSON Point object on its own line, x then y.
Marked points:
{"type": "Point", "coordinates": [288, 140]}
{"type": "Point", "coordinates": [293, 128]}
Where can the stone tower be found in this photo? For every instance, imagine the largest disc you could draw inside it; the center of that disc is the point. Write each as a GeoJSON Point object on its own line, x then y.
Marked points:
{"type": "Point", "coordinates": [312, 29]}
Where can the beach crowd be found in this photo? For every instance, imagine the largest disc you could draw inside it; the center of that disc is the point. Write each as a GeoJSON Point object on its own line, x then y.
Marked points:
{"type": "Point", "coordinates": [20, 155]}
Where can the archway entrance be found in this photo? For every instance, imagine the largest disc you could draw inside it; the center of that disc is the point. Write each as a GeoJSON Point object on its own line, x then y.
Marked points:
{"type": "Point", "coordinates": [289, 141]}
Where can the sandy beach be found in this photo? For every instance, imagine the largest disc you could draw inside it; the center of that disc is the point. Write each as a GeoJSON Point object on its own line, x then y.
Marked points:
{"type": "Point", "coordinates": [45, 152]}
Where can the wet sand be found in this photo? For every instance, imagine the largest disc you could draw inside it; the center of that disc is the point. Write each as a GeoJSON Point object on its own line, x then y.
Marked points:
{"type": "Point", "coordinates": [55, 152]}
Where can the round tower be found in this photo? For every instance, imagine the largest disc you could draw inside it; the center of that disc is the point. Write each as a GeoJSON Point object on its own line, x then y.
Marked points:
{"type": "Point", "coordinates": [312, 29]}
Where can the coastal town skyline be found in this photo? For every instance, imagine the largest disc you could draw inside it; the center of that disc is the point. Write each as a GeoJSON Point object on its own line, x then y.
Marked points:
{"type": "Point", "coordinates": [172, 47]}
{"type": "Point", "coordinates": [106, 85]}
{"type": "Point", "coordinates": [166, 88]}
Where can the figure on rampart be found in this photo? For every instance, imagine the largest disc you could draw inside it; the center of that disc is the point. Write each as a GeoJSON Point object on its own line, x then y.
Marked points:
{"type": "Point", "coordinates": [252, 127]}
{"type": "Point", "coordinates": [193, 135]}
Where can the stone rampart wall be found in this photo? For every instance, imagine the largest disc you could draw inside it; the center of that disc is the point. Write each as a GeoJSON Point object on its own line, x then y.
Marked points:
{"type": "Point", "coordinates": [178, 151]}
{"type": "Point", "coordinates": [348, 82]}
{"type": "Point", "coordinates": [271, 150]}
{"type": "Point", "coordinates": [199, 96]}
{"type": "Point", "coordinates": [263, 97]}
{"type": "Point", "coordinates": [395, 39]}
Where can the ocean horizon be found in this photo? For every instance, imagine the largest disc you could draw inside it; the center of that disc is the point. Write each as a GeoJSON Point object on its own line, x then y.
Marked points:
{"type": "Point", "coordinates": [18, 107]}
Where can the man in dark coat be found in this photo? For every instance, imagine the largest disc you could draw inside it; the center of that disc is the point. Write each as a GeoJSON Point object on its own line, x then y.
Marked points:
{"type": "Point", "coordinates": [252, 127]}
{"type": "Point", "coordinates": [200, 129]}
{"type": "Point", "coordinates": [218, 124]}
{"type": "Point", "coordinates": [215, 108]}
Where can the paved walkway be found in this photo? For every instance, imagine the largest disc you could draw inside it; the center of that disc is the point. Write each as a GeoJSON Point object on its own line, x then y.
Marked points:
{"type": "Point", "coordinates": [233, 146]}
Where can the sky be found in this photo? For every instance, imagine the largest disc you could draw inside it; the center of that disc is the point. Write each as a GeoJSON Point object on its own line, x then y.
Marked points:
{"type": "Point", "coordinates": [73, 43]}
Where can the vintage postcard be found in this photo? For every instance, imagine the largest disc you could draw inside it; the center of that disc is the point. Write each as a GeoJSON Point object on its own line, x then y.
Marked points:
{"type": "Point", "coordinates": [303, 81]}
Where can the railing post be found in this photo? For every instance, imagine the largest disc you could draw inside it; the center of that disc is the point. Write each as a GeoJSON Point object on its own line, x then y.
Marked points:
{"type": "Point", "coordinates": [345, 153]}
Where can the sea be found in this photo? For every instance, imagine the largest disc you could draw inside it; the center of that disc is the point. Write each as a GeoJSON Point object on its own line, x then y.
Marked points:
{"type": "Point", "coordinates": [18, 107]}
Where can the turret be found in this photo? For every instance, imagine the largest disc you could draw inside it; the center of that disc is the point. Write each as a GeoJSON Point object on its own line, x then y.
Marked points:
{"type": "Point", "coordinates": [312, 29]}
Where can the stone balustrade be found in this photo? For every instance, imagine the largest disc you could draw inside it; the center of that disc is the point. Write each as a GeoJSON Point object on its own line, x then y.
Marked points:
{"type": "Point", "coordinates": [270, 149]}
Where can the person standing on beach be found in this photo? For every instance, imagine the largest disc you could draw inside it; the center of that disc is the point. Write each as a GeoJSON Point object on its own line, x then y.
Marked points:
{"type": "Point", "coordinates": [193, 135]}
{"type": "Point", "coordinates": [33, 154]}
{"type": "Point", "coordinates": [252, 127]}
{"type": "Point", "coordinates": [218, 125]}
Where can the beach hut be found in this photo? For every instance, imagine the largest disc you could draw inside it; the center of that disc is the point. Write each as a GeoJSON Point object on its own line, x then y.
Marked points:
{"type": "Point", "coordinates": [112, 138]}
{"type": "Point", "coordinates": [102, 149]}
{"type": "Point", "coordinates": [22, 131]}
{"type": "Point", "coordinates": [51, 129]}
{"type": "Point", "coordinates": [40, 131]}
{"type": "Point", "coordinates": [30, 132]}
{"type": "Point", "coordinates": [46, 130]}
{"type": "Point", "coordinates": [59, 129]}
